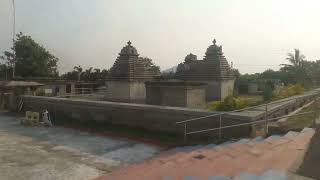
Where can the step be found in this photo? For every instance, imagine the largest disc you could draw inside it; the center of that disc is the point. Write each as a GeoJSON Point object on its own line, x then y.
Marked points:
{"type": "Point", "coordinates": [291, 135]}
{"type": "Point", "coordinates": [199, 169]}
{"type": "Point", "coordinates": [280, 159]}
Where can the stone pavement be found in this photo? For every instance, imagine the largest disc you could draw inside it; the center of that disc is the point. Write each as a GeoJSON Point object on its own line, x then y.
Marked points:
{"type": "Point", "coordinates": [261, 159]}
{"type": "Point", "coordinates": [60, 153]}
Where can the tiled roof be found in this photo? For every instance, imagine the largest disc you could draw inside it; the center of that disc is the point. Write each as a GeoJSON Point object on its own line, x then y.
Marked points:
{"type": "Point", "coordinates": [19, 83]}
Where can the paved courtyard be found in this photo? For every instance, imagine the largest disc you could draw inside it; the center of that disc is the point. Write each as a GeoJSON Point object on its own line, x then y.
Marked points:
{"type": "Point", "coordinates": [60, 153]}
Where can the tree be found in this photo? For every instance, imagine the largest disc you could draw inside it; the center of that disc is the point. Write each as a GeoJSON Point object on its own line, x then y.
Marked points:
{"type": "Point", "coordinates": [295, 58]}
{"type": "Point", "coordinates": [30, 58]}
{"type": "Point", "coordinates": [89, 74]}
{"type": "Point", "coordinates": [296, 71]}
{"type": "Point", "coordinates": [78, 69]}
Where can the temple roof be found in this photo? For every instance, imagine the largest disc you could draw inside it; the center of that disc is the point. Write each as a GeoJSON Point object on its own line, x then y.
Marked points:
{"type": "Point", "coordinates": [214, 49]}
{"type": "Point", "coordinates": [214, 66]}
{"type": "Point", "coordinates": [190, 57]}
{"type": "Point", "coordinates": [129, 66]}
{"type": "Point", "coordinates": [129, 50]}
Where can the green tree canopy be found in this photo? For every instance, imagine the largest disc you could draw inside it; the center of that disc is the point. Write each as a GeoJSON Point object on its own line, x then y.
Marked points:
{"type": "Point", "coordinates": [31, 59]}
{"type": "Point", "coordinates": [89, 74]}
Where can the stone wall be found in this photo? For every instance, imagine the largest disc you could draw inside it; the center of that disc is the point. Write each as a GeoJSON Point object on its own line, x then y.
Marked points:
{"type": "Point", "coordinates": [159, 118]}
{"type": "Point", "coordinates": [153, 118]}
{"type": "Point", "coordinates": [226, 88]}
{"type": "Point", "coordinates": [126, 91]}
{"type": "Point", "coordinates": [176, 93]}
{"type": "Point", "coordinates": [137, 91]}
{"type": "Point", "coordinates": [218, 90]}
{"type": "Point", "coordinates": [213, 91]}
{"type": "Point", "coordinates": [196, 98]}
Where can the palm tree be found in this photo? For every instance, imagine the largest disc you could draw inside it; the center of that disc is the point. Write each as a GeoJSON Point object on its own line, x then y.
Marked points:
{"type": "Point", "coordinates": [296, 59]}
{"type": "Point", "coordinates": [296, 69]}
{"type": "Point", "coordinates": [78, 69]}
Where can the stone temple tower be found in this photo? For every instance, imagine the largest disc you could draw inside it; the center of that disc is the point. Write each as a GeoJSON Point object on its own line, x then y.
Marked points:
{"type": "Point", "coordinates": [213, 70]}
{"type": "Point", "coordinates": [128, 75]}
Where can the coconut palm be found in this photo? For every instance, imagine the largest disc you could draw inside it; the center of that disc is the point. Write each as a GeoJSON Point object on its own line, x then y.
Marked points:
{"type": "Point", "coordinates": [296, 59]}
{"type": "Point", "coordinates": [296, 69]}
{"type": "Point", "coordinates": [78, 69]}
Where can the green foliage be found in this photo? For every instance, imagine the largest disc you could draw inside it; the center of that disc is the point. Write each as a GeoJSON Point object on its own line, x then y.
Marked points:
{"type": "Point", "coordinates": [228, 104]}
{"type": "Point", "coordinates": [213, 105]}
{"type": "Point", "coordinates": [4, 71]}
{"type": "Point", "coordinates": [31, 59]}
{"type": "Point", "coordinates": [290, 90]}
{"type": "Point", "coordinates": [89, 74]}
{"type": "Point", "coordinates": [297, 71]}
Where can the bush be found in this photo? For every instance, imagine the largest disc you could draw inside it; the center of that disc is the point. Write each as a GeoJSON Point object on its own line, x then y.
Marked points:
{"type": "Point", "coordinates": [228, 104]}
{"type": "Point", "coordinates": [213, 105]}
{"type": "Point", "coordinates": [290, 90]}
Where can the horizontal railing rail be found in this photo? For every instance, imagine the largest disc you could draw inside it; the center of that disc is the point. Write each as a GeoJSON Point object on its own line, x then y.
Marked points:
{"type": "Point", "coordinates": [249, 123]}
{"type": "Point", "coordinates": [247, 108]}
{"type": "Point", "coordinates": [265, 112]}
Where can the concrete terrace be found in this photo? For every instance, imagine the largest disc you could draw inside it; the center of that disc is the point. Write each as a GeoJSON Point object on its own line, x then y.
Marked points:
{"type": "Point", "coordinates": [60, 153]}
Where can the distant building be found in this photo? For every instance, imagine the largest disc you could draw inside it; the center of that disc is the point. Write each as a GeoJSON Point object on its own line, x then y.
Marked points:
{"type": "Point", "coordinates": [9, 89]}
{"type": "Point", "coordinates": [213, 70]}
{"type": "Point", "coordinates": [61, 87]}
{"type": "Point", "coordinates": [128, 75]}
{"type": "Point", "coordinates": [176, 93]}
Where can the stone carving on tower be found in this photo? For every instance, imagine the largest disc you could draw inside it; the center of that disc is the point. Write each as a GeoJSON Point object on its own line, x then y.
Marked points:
{"type": "Point", "coordinates": [214, 70]}
{"type": "Point", "coordinates": [130, 66]}
{"type": "Point", "coordinates": [214, 66]}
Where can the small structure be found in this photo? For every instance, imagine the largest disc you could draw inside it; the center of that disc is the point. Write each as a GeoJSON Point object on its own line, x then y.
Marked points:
{"type": "Point", "coordinates": [8, 89]}
{"type": "Point", "coordinates": [60, 87]}
{"type": "Point", "coordinates": [128, 75]}
{"type": "Point", "coordinates": [19, 87]}
{"type": "Point", "coordinates": [213, 70]}
{"type": "Point", "coordinates": [176, 93]}
{"type": "Point", "coordinates": [253, 88]}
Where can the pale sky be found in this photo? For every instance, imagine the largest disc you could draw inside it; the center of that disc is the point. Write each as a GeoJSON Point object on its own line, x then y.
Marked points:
{"type": "Point", "coordinates": [255, 34]}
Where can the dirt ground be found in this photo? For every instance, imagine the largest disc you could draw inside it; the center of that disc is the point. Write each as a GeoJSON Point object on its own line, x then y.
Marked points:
{"type": "Point", "coordinates": [36, 153]}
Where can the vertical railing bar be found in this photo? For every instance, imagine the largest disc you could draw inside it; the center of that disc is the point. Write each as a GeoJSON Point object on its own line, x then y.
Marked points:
{"type": "Point", "coordinates": [185, 132]}
{"type": "Point", "coordinates": [266, 118]}
{"type": "Point", "coordinates": [220, 124]}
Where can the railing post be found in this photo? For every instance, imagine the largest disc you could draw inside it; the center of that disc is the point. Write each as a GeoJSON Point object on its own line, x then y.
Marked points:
{"type": "Point", "coordinates": [266, 119]}
{"type": "Point", "coordinates": [220, 124]}
{"type": "Point", "coordinates": [185, 133]}
{"type": "Point", "coordinates": [315, 120]}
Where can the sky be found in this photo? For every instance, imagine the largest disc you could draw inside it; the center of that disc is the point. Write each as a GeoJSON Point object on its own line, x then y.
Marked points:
{"type": "Point", "coordinates": [255, 34]}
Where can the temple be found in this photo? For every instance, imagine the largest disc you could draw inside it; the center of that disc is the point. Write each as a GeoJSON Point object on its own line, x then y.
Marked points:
{"type": "Point", "coordinates": [213, 70]}
{"type": "Point", "coordinates": [128, 75]}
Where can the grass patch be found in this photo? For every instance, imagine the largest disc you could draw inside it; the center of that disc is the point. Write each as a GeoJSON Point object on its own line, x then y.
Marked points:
{"type": "Point", "coordinates": [252, 100]}
{"type": "Point", "coordinates": [300, 121]}
{"type": "Point", "coordinates": [232, 103]}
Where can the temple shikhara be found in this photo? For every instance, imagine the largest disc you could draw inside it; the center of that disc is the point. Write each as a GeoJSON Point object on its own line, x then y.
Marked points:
{"type": "Point", "coordinates": [128, 75]}
{"type": "Point", "coordinates": [202, 80]}
{"type": "Point", "coordinates": [213, 70]}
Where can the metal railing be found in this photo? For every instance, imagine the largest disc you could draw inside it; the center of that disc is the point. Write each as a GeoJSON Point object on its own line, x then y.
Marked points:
{"type": "Point", "coordinates": [265, 120]}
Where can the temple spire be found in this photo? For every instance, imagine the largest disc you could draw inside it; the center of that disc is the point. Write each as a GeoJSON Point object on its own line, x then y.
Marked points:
{"type": "Point", "coordinates": [214, 41]}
